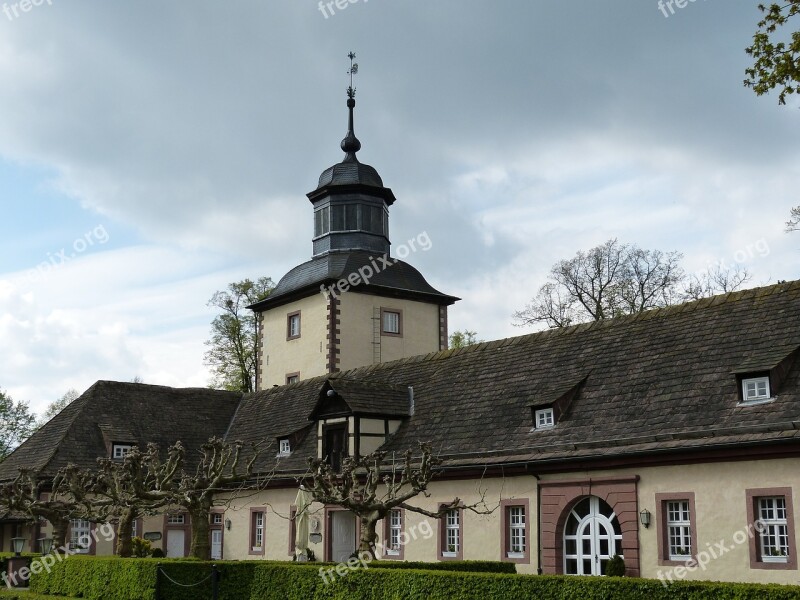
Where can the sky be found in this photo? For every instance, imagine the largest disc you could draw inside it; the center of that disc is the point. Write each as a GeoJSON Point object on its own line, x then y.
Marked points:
{"type": "Point", "coordinates": [153, 152]}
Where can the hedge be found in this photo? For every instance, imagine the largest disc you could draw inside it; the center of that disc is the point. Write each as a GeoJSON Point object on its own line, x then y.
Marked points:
{"type": "Point", "coordinates": [134, 579]}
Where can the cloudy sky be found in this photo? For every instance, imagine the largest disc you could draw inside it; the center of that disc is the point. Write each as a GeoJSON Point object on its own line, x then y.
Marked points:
{"type": "Point", "coordinates": [153, 152]}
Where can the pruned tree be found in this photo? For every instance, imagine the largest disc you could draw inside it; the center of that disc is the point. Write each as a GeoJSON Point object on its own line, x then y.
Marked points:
{"type": "Point", "coordinates": [459, 339]}
{"type": "Point", "coordinates": [43, 498]}
{"type": "Point", "coordinates": [776, 61]}
{"type": "Point", "coordinates": [17, 423]}
{"type": "Point", "coordinates": [609, 280]}
{"type": "Point", "coordinates": [232, 347]}
{"type": "Point", "coordinates": [369, 487]}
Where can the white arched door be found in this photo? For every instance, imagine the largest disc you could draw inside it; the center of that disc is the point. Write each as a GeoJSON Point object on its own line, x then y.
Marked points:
{"type": "Point", "coordinates": [592, 535]}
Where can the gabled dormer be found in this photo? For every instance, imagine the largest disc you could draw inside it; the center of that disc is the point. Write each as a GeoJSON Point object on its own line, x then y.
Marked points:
{"type": "Point", "coordinates": [354, 418]}
{"type": "Point", "coordinates": [760, 377]}
{"type": "Point", "coordinates": [552, 403]}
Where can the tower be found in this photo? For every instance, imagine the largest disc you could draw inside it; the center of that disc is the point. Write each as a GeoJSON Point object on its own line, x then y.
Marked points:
{"type": "Point", "coordinates": [352, 304]}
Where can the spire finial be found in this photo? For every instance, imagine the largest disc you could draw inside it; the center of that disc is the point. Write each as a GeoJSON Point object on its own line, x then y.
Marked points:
{"type": "Point", "coordinates": [350, 143]}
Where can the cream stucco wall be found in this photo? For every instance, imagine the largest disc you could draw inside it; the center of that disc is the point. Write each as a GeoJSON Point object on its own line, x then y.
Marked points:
{"type": "Point", "coordinates": [356, 340]}
{"type": "Point", "coordinates": [306, 354]}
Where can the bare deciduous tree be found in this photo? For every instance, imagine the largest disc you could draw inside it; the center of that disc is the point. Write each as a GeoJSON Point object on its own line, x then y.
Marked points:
{"type": "Point", "coordinates": [715, 280]}
{"type": "Point", "coordinates": [793, 224]}
{"type": "Point", "coordinates": [369, 487]}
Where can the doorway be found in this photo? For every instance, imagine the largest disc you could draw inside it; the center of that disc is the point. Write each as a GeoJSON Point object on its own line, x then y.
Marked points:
{"type": "Point", "coordinates": [344, 535]}
{"type": "Point", "coordinates": [592, 535]}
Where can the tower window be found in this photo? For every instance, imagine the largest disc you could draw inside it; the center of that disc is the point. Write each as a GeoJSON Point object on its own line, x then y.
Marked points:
{"type": "Point", "coordinates": [391, 322]}
{"type": "Point", "coordinates": [293, 325]}
{"type": "Point", "coordinates": [322, 221]}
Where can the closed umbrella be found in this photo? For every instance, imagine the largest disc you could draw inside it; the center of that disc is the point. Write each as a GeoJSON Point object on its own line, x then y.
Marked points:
{"type": "Point", "coordinates": [303, 504]}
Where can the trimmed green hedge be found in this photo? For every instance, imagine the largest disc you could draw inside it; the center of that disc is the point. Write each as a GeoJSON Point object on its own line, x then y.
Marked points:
{"type": "Point", "coordinates": [134, 579]}
{"type": "Point", "coordinates": [470, 566]}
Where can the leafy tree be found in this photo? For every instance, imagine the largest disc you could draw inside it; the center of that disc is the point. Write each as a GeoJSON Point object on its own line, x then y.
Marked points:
{"type": "Point", "coordinates": [369, 487]}
{"type": "Point", "coordinates": [776, 62]}
{"type": "Point", "coordinates": [459, 339]}
{"type": "Point", "coordinates": [17, 423]}
{"type": "Point", "coordinates": [617, 279]}
{"type": "Point", "coordinates": [232, 347]}
{"type": "Point", "coordinates": [57, 406]}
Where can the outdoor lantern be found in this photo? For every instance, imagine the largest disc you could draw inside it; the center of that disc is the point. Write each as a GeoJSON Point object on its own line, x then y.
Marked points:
{"type": "Point", "coordinates": [644, 517]}
{"type": "Point", "coordinates": [228, 524]}
{"type": "Point", "coordinates": [46, 545]}
{"type": "Point", "coordinates": [17, 544]}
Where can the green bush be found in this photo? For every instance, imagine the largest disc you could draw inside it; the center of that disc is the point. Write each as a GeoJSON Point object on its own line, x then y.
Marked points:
{"type": "Point", "coordinates": [141, 548]}
{"type": "Point", "coordinates": [95, 578]}
{"type": "Point", "coordinates": [615, 566]}
{"type": "Point", "coordinates": [471, 566]}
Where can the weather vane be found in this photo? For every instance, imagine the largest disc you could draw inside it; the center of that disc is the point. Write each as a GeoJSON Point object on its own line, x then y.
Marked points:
{"type": "Point", "coordinates": [351, 91]}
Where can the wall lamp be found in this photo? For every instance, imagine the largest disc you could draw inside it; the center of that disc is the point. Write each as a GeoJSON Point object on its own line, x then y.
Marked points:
{"type": "Point", "coordinates": [228, 524]}
{"type": "Point", "coordinates": [644, 517]}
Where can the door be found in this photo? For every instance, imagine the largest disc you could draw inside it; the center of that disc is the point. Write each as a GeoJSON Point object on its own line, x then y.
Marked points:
{"type": "Point", "coordinates": [176, 542]}
{"type": "Point", "coordinates": [333, 445]}
{"type": "Point", "coordinates": [592, 535]}
{"type": "Point", "coordinates": [216, 544]}
{"type": "Point", "coordinates": [343, 535]}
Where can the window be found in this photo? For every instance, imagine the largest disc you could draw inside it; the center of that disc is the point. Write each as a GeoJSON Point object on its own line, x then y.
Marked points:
{"type": "Point", "coordinates": [120, 451]}
{"type": "Point", "coordinates": [256, 531]}
{"type": "Point", "coordinates": [676, 532]}
{"type": "Point", "coordinates": [451, 539]}
{"type": "Point", "coordinates": [134, 529]}
{"type": "Point", "coordinates": [755, 389]}
{"type": "Point", "coordinates": [293, 325]}
{"type": "Point", "coordinates": [216, 518]}
{"type": "Point", "coordinates": [179, 519]}
{"type": "Point", "coordinates": [80, 539]}
{"type": "Point", "coordinates": [516, 532]}
{"type": "Point", "coordinates": [284, 447]}
{"type": "Point", "coordinates": [292, 378]}
{"type": "Point", "coordinates": [774, 536]}
{"type": "Point", "coordinates": [394, 544]}
{"type": "Point", "coordinates": [322, 224]}
{"type": "Point", "coordinates": [391, 322]}
{"type": "Point", "coordinates": [545, 418]}
{"type": "Point", "coordinates": [679, 530]}
{"type": "Point", "coordinates": [515, 537]}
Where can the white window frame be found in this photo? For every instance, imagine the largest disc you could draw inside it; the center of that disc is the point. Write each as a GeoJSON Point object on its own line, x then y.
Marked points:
{"type": "Point", "coordinates": [395, 532]}
{"type": "Point", "coordinates": [293, 326]}
{"type": "Point", "coordinates": [756, 382]}
{"type": "Point", "coordinates": [774, 537]}
{"type": "Point", "coordinates": [545, 418]}
{"type": "Point", "coordinates": [258, 531]}
{"type": "Point", "coordinates": [176, 519]}
{"type": "Point", "coordinates": [392, 317]}
{"type": "Point", "coordinates": [285, 448]}
{"type": "Point", "coordinates": [679, 529]}
{"type": "Point", "coordinates": [120, 451]}
{"type": "Point", "coordinates": [133, 529]}
{"type": "Point", "coordinates": [80, 536]}
{"type": "Point", "coordinates": [516, 532]}
{"type": "Point", "coordinates": [452, 533]}
{"type": "Point", "coordinates": [216, 518]}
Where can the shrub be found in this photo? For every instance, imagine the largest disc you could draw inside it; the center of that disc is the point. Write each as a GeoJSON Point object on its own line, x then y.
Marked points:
{"type": "Point", "coordinates": [615, 567]}
{"type": "Point", "coordinates": [141, 548]}
{"type": "Point", "coordinates": [157, 553]}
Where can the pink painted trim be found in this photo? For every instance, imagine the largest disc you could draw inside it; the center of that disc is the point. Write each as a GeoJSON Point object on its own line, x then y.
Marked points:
{"type": "Point", "coordinates": [387, 521]}
{"type": "Point", "coordinates": [251, 539]}
{"type": "Point", "coordinates": [752, 496]}
{"type": "Point", "coordinates": [662, 531]}
{"type": "Point", "coordinates": [441, 539]}
{"type": "Point", "coordinates": [506, 530]}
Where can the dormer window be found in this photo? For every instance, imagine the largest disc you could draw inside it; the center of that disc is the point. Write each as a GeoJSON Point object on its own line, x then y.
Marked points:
{"type": "Point", "coordinates": [284, 447]}
{"type": "Point", "coordinates": [120, 451]}
{"type": "Point", "coordinates": [755, 389]}
{"type": "Point", "coordinates": [545, 418]}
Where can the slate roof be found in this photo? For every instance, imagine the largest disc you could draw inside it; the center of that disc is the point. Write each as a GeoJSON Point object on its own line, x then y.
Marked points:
{"type": "Point", "coordinates": [399, 279]}
{"type": "Point", "coordinates": [659, 381]}
{"type": "Point", "coordinates": [111, 411]}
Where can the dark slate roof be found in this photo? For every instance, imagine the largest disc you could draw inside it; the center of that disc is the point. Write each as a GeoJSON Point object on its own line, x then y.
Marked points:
{"type": "Point", "coordinates": [367, 398]}
{"type": "Point", "coordinates": [136, 413]}
{"type": "Point", "coordinates": [400, 279]}
{"type": "Point", "coordinates": [659, 381]}
{"type": "Point", "coordinates": [350, 172]}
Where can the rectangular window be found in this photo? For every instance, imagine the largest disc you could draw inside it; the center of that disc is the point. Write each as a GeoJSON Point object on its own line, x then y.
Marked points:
{"type": "Point", "coordinates": [134, 529]}
{"type": "Point", "coordinates": [451, 547]}
{"type": "Point", "coordinates": [679, 530]}
{"type": "Point", "coordinates": [545, 418]}
{"type": "Point", "coordinates": [176, 519]}
{"type": "Point", "coordinates": [216, 518]}
{"type": "Point", "coordinates": [516, 531]}
{"type": "Point", "coordinates": [285, 448]}
{"type": "Point", "coordinates": [391, 322]}
{"type": "Point", "coordinates": [322, 223]}
{"type": "Point", "coordinates": [80, 538]}
{"type": "Point", "coordinates": [755, 389]}
{"type": "Point", "coordinates": [515, 536]}
{"type": "Point", "coordinates": [774, 536]}
{"type": "Point", "coordinates": [393, 537]}
{"type": "Point", "coordinates": [120, 451]}
{"type": "Point", "coordinates": [292, 378]}
{"type": "Point", "coordinates": [257, 532]}
{"type": "Point", "coordinates": [293, 325]}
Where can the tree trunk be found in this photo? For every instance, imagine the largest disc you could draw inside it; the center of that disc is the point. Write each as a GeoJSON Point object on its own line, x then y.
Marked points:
{"type": "Point", "coordinates": [60, 528]}
{"type": "Point", "coordinates": [201, 532]}
{"type": "Point", "coordinates": [369, 537]}
{"type": "Point", "coordinates": [124, 533]}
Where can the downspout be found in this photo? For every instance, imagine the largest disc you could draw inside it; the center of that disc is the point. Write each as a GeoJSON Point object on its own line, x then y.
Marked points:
{"type": "Point", "coordinates": [538, 521]}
